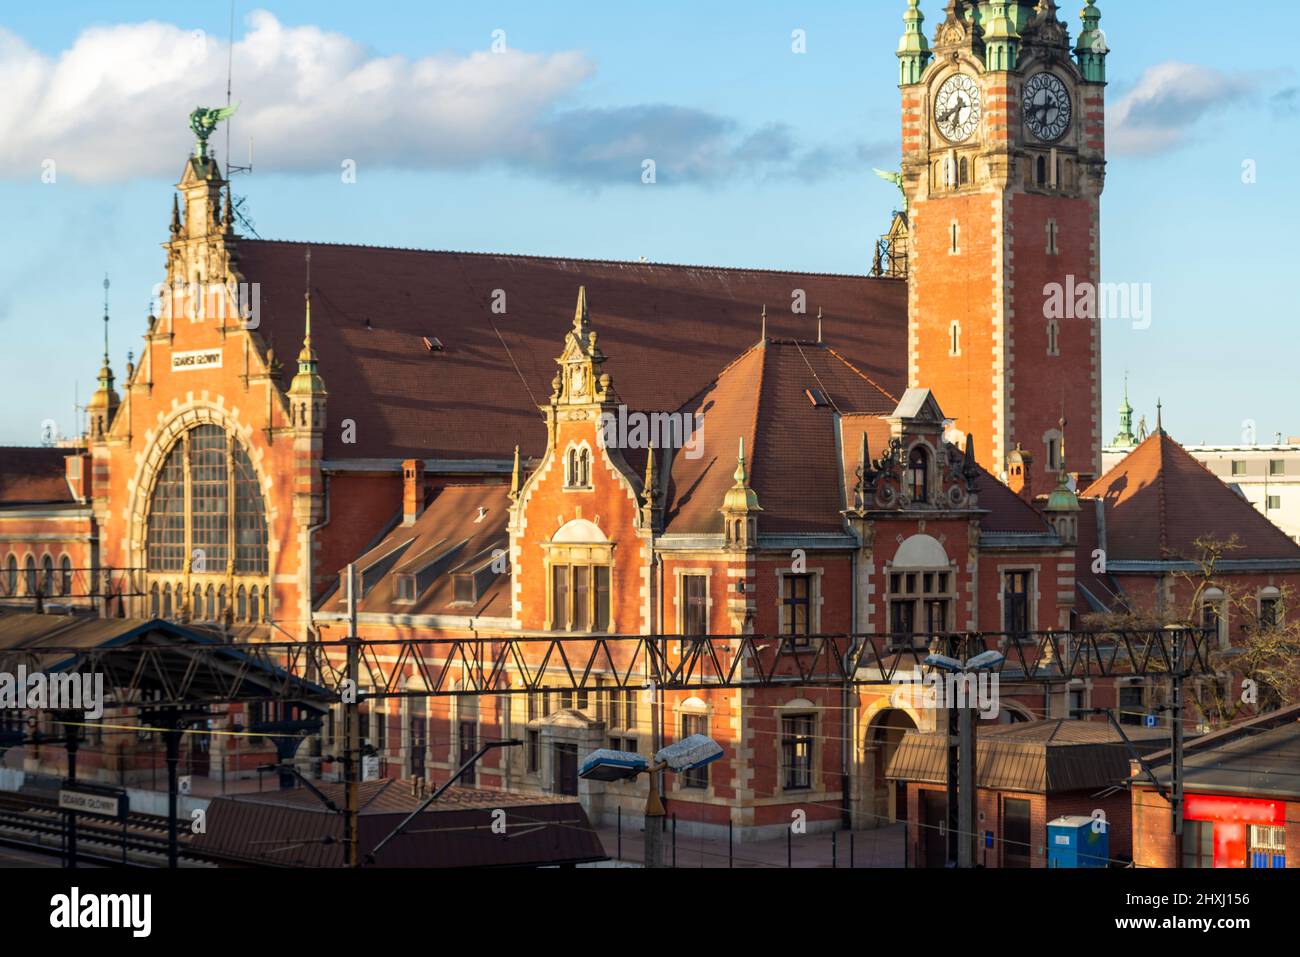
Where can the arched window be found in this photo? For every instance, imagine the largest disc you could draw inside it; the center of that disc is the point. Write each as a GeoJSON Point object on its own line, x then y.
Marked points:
{"type": "Point", "coordinates": [196, 603]}
{"type": "Point", "coordinates": [584, 467]}
{"type": "Point", "coordinates": [241, 604]}
{"type": "Point", "coordinates": [29, 574]}
{"type": "Point", "coordinates": [254, 606]}
{"type": "Point", "coordinates": [1042, 171]}
{"type": "Point", "coordinates": [11, 575]}
{"type": "Point", "coordinates": [65, 574]}
{"type": "Point", "coordinates": [166, 601]}
{"type": "Point", "coordinates": [571, 478]}
{"type": "Point", "coordinates": [153, 600]}
{"type": "Point", "coordinates": [577, 468]}
{"type": "Point", "coordinates": [221, 604]}
{"type": "Point", "coordinates": [918, 475]}
{"type": "Point", "coordinates": [47, 575]}
{"type": "Point", "coordinates": [180, 598]}
{"type": "Point", "coordinates": [963, 175]}
{"type": "Point", "coordinates": [210, 604]}
{"type": "Point", "coordinates": [207, 504]}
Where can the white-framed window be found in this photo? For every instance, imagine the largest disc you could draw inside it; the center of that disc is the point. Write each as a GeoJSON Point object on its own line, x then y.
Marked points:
{"type": "Point", "coordinates": [798, 750]}
{"type": "Point", "coordinates": [799, 605]}
{"type": "Point", "coordinates": [1214, 615]}
{"type": "Point", "coordinates": [1052, 450]}
{"type": "Point", "coordinates": [577, 467]}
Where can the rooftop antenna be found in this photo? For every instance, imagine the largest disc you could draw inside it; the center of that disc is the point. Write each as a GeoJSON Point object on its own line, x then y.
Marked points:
{"type": "Point", "coordinates": [231, 168]}
{"type": "Point", "coordinates": [106, 285]}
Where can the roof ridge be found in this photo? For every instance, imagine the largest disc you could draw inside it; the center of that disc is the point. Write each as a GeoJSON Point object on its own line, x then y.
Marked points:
{"type": "Point", "coordinates": [753, 426]}
{"type": "Point", "coordinates": [885, 392]}
{"type": "Point", "coordinates": [712, 383]}
{"type": "Point", "coordinates": [575, 259]}
{"type": "Point", "coordinates": [1161, 503]}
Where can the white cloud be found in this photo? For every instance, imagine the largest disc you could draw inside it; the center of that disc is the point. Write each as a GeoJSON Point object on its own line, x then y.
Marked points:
{"type": "Point", "coordinates": [1162, 110]}
{"type": "Point", "coordinates": [115, 105]}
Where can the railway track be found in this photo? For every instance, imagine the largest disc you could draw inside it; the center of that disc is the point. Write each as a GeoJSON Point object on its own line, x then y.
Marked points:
{"type": "Point", "coordinates": [35, 824]}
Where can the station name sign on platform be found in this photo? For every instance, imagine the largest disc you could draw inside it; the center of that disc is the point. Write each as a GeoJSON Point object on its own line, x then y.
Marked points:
{"type": "Point", "coordinates": [109, 804]}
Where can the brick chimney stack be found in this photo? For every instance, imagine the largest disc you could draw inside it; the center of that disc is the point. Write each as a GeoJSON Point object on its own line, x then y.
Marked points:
{"type": "Point", "coordinates": [412, 490]}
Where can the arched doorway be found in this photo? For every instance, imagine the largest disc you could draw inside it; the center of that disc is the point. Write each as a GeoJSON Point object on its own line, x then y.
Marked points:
{"type": "Point", "coordinates": [884, 735]}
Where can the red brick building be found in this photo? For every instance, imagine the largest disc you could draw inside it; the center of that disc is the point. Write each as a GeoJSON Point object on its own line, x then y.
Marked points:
{"type": "Point", "coordinates": [684, 456]}
{"type": "Point", "coordinates": [1242, 799]}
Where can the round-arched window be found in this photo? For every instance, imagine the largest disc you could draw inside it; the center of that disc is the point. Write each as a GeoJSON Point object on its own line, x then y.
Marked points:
{"type": "Point", "coordinates": [11, 575]}
{"type": "Point", "coordinates": [207, 505]}
{"type": "Point", "coordinates": [918, 471]}
{"type": "Point", "coordinates": [65, 575]}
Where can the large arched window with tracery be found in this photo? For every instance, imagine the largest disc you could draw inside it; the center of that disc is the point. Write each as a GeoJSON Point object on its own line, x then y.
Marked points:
{"type": "Point", "coordinates": [207, 505]}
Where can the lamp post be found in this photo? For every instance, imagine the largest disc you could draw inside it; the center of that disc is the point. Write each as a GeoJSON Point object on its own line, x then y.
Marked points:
{"type": "Point", "coordinates": [685, 755]}
{"type": "Point", "coordinates": [961, 752]}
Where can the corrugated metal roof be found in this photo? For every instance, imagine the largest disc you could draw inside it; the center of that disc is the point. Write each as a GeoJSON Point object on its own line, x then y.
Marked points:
{"type": "Point", "coordinates": [1038, 756]}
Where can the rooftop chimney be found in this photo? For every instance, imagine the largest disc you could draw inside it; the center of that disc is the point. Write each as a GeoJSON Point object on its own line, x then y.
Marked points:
{"type": "Point", "coordinates": [412, 490]}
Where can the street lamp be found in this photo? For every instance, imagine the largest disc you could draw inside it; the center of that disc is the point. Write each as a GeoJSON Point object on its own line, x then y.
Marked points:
{"type": "Point", "coordinates": [961, 754]}
{"type": "Point", "coordinates": [688, 754]}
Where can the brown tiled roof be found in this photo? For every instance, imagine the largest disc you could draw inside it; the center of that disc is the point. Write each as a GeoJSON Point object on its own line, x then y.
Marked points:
{"type": "Point", "coordinates": [295, 829]}
{"type": "Point", "coordinates": [30, 476]}
{"type": "Point", "coordinates": [791, 449]}
{"type": "Point", "coordinates": [448, 530]}
{"type": "Point", "coordinates": [1040, 756]}
{"type": "Point", "coordinates": [1159, 500]}
{"type": "Point", "coordinates": [666, 329]}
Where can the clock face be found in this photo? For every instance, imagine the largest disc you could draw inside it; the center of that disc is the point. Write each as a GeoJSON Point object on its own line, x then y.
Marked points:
{"type": "Point", "coordinates": [1047, 107]}
{"type": "Point", "coordinates": [957, 108]}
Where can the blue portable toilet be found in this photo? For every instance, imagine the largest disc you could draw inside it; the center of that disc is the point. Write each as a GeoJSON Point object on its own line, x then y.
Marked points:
{"type": "Point", "coordinates": [1073, 841]}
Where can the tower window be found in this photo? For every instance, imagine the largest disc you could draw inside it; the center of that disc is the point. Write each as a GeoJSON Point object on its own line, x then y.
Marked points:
{"type": "Point", "coordinates": [1053, 454]}
{"type": "Point", "coordinates": [1042, 171]}
{"type": "Point", "coordinates": [1053, 231]}
{"type": "Point", "coordinates": [956, 239]}
{"type": "Point", "coordinates": [954, 333]}
{"type": "Point", "coordinates": [918, 475]}
{"type": "Point", "coordinates": [1053, 337]}
{"type": "Point", "coordinates": [963, 172]}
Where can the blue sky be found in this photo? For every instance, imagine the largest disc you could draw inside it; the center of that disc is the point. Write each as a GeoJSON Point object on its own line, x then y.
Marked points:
{"type": "Point", "coordinates": [765, 159]}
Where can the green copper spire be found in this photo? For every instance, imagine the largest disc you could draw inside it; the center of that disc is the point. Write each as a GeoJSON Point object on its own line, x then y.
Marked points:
{"type": "Point", "coordinates": [1091, 49]}
{"type": "Point", "coordinates": [1126, 439]}
{"type": "Point", "coordinates": [1001, 39]}
{"type": "Point", "coordinates": [913, 49]}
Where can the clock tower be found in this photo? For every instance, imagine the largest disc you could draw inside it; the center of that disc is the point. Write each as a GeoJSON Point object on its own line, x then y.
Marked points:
{"type": "Point", "coordinates": [1003, 167]}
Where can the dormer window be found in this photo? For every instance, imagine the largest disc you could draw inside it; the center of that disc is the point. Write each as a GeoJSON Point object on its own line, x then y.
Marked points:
{"type": "Point", "coordinates": [918, 475]}
{"type": "Point", "coordinates": [577, 468]}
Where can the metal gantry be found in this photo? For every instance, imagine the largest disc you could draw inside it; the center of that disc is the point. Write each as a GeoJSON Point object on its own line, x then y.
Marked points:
{"type": "Point", "coordinates": [173, 672]}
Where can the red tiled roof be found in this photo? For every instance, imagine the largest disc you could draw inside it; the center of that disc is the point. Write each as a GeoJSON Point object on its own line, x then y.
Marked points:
{"type": "Point", "coordinates": [448, 530]}
{"type": "Point", "coordinates": [791, 448]}
{"type": "Point", "coordinates": [1159, 500]}
{"type": "Point", "coordinates": [33, 475]}
{"type": "Point", "coordinates": [666, 329]}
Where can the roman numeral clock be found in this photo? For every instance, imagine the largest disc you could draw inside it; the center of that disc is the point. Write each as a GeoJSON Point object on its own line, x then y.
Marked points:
{"type": "Point", "coordinates": [1047, 107]}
